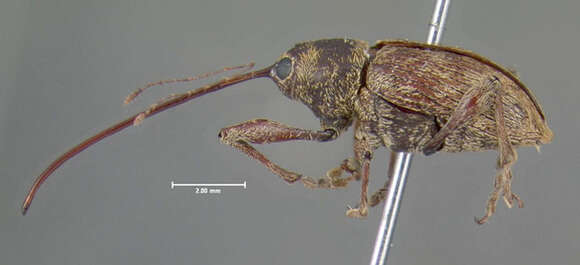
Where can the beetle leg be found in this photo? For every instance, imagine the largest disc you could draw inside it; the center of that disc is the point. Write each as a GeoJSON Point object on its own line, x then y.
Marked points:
{"type": "Point", "coordinates": [364, 145]}
{"type": "Point", "coordinates": [507, 154]}
{"type": "Point", "coordinates": [361, 210]}
{"type": "Point", "coordinates": [380, 194]}
{"type": "Point", "coordinates": [472, 103]}
{"type": "Point", "coordinates": [333, 177]}
{"type": "Point", "coordinates": [507, 157]}
{"type": "Point", "coordinates": [261, 131]}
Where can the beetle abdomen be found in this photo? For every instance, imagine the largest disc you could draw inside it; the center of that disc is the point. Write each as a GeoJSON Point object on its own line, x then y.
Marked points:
{"type": "Point", "coordinates": [432, 80]}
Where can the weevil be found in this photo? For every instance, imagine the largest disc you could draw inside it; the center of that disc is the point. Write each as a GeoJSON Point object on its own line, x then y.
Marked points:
{"type": "Point", "coordinates": [406, 96]}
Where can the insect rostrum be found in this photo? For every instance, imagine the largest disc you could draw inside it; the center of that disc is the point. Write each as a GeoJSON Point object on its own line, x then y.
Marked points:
{"type": "Point", "coordinates": [406, 96]}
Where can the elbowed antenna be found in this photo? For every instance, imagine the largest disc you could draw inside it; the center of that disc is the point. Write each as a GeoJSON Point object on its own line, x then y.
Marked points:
{"type": "Point", "coordinates": [164, 105]}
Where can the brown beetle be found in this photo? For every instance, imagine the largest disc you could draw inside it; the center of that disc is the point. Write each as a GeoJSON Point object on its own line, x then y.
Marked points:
{"type": "Point", "coordinates": [403, 95]}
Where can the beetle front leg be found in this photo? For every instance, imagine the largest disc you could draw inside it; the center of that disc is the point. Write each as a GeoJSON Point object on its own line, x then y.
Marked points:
{"type": "Point", "coordinates": [262, 131]}
{"type": "Point", "coordinates": [333, 178]}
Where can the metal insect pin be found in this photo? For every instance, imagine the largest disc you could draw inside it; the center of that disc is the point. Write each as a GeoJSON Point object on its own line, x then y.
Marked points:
{"type": "Point", "coordinates": [406, 96]}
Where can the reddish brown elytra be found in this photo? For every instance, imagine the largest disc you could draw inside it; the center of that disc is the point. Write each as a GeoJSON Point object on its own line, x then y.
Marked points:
{"type": "Point", "coordinates": [405, 96]}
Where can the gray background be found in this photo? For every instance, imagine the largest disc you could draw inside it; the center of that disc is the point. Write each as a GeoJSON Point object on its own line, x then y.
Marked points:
{"type": "Point", "coordinates": [65, 67]}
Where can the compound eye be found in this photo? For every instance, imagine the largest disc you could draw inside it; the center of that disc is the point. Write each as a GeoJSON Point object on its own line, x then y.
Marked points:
{"type": "Point", "coordinates": [283, 68]}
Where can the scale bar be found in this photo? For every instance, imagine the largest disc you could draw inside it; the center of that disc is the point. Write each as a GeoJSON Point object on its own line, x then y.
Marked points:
{"type": "Point", "coordinates": [173, 184]}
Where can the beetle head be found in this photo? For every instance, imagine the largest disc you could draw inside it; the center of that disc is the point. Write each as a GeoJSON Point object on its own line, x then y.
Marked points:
{"type": "Point", "coordinates": [325, 75]}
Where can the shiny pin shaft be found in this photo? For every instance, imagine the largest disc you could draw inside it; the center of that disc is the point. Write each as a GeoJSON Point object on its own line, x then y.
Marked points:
{"type": "Point", "coordinates": [400, 163]}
